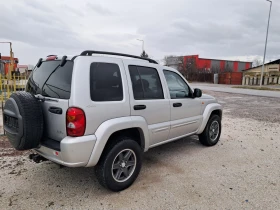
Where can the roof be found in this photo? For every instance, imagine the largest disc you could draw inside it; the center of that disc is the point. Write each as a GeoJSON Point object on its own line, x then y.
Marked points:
{"type": "Point", "coordinates": [215, 59]}
{"type": "Point", "coordinates": [7, 58]}
{"type": "Point", "coordinates": [270, 63]}
{"type": "Point", "coordinates": [226, 60]}
{"type": "Point", "coordinates": [99, 53]}
{"type": "Point", "coordinates": [90, 52]}
{"type": "Point", "coordinates": [22, 66]}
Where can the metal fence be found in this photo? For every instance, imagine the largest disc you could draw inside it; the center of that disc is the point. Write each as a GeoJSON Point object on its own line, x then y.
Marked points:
{"type": "Point", "coordinates": [231, 78]}
{"type": "Point", "coordinates": [200, 77]}
{"type": "Point", "coordinates": [7, 87]}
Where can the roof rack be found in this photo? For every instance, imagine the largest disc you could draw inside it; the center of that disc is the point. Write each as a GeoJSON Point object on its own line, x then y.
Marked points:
{"type": "Point", "coordinates": [90, 52]}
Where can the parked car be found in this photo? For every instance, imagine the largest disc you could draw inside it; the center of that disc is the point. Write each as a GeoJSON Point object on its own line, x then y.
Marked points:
{"type": "Point", "coordinates": [91, 110]}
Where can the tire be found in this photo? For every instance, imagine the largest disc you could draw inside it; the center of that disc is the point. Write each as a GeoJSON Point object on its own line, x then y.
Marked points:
{"type": "Point", "coordinates": [23, 121]}
{"type": "Point", "coordinates": [207, 137]}
{"type": "Point", "coordinates": [107, 176]}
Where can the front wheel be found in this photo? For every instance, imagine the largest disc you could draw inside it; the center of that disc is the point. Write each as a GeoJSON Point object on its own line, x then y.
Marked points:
{"type": "Point", "coordinates": [119, 165]}
{"type": "Point", "coordinates": [212, 132]}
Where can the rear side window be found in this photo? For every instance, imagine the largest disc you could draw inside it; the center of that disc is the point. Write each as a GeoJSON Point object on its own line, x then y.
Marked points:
{"type": "Point", "coordinates": [51, 80]}
{"type": "Point", "coordinates": [145, 83]}
{"type": "Point", "coordinates": [105, 82]}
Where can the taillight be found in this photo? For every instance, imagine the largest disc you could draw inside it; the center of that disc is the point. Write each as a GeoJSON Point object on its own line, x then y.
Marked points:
{"type": "Point", "coordinates": [75, 122]}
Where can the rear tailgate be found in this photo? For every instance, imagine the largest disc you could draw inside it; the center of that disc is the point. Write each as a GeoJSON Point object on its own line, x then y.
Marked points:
{"type": "Point", "coordinates": [55, 119]}
{"type": "Point", "coordinates": [53, 81]}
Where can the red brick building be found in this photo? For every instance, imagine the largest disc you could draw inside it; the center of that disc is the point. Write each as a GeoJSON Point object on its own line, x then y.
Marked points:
{"type": "Point", "coordinates": [5, 64]}
{"type": "Point", "coordinates": [222, 65]}
{"type": "Point", "coordinates": [215, 65]}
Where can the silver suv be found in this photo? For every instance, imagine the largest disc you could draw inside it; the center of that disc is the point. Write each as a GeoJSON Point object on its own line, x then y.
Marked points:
{"type": "Point", "coordinates": [105, 111]}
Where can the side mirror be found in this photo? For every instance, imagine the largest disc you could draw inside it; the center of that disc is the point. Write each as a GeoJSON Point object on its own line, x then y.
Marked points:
{"type": "Point", "coordinates": [197, 93]}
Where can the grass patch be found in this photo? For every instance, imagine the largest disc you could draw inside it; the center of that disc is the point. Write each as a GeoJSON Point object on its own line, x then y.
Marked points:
{"type": "Point", "coordinates": [256, 88]}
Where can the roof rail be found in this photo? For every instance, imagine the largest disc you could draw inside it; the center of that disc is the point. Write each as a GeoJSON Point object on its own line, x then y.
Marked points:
{"type": "Point", "coordinates": [90, 52]}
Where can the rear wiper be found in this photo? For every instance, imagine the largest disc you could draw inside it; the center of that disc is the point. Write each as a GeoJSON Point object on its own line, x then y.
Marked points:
{"type": "Point", "coordinates": [43, 98]}
{"type": "Point", "coordinates": [62, 63]}
{"type": "Point", "coordinates": [49, 77]}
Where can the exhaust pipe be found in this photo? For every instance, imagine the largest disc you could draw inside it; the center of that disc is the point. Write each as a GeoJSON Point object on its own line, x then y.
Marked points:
{"type": "Point", "coordinates": [37, 158]}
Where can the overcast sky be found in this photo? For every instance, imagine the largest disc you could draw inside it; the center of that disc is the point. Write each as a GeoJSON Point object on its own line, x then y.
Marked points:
{"type": "Point", "coordinates": [233, 29]}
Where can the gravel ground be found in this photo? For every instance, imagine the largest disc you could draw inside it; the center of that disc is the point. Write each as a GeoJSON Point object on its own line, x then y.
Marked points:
{"type": "Point", "coordinates": [241, 172]}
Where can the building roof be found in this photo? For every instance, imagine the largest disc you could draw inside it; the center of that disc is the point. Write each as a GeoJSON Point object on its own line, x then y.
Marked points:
{"type": "Point", "coordinates": [270, 63]}
{"type": "Point", "coordinates": [7, 58]}
{"type": "Point", "coordinates": [216, 59]}
{"type": "Point", "coordinates": [226, 60]}
{"type": "Point", "coordinates": [22, 66]}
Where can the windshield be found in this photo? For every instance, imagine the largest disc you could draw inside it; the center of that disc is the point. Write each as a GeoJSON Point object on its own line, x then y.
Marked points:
{"type": "Point", "coordinates": [51, 80]}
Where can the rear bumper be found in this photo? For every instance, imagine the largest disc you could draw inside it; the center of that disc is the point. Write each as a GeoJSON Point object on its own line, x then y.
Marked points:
{"type": "Point", "coordinates": [74, 151]}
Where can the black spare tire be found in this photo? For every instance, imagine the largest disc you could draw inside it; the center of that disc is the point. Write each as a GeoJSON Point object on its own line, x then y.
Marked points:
{"type": "Point", "coordinates": [23, 120]}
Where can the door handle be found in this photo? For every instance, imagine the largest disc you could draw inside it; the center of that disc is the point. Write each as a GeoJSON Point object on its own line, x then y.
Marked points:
{"type": "Point", "coordinates": [177, 104]}
{"type": "Point", "coordinates": [55, 110]}
{"type": "Point", "coordinates": [139, 107]}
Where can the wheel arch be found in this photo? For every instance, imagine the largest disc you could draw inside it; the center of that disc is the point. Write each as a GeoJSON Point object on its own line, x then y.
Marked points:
{"type": "Point", "coordinates": [210, 110]}
{"type": "Point", "coordinates": [134, 133]}
{"type": "Point", "coordinates": [134, 127]}
{"type": "Point", "coordinates": [218, 112]}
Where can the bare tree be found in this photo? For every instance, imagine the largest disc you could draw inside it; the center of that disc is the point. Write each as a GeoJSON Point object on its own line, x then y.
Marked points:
{"type": "Point", "coordinates": [166, 59]}
{"type": "Point", "coordinates": [170, 59]}
{"type": "Point", "coordinates": [144, 54]}
{"type": "Point", "coordinates": [189, 68]}
{"type": "Point", "coordinates": [190, 65]}
{"type": "Point", "coordinates": [180, 65]}
{"type": "Point", "coordinates": [257, 62]}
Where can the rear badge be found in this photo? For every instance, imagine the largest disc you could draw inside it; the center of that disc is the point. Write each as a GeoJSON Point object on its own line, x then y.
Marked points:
{"type": "Point", "coordinates": [56, 153]}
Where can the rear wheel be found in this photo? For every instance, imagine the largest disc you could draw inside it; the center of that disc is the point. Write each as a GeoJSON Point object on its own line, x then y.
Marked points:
{"type": "Point", "coordinates": [119, 164]}
{"type": "Point", "coordinates": [212, 132]}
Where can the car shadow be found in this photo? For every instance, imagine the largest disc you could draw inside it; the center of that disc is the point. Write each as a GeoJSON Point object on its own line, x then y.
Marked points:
{"type": "Point", "coordinates": [82, 180]}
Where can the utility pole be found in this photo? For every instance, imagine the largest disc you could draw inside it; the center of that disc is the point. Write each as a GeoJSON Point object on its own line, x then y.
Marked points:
{"type": "Point", "coordinates": [11, 59]}
{"type": "Point", "coordinates": [142, 44]}
{"type": "Point", "coordinates": [265, 42]}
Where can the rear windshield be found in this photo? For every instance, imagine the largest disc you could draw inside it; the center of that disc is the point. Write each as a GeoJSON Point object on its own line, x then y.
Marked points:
{"type": "Point", "coordinates": [51, 80]}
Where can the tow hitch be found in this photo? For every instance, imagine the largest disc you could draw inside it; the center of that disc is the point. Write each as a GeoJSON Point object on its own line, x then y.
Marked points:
{"type": "Point", "coordinates": [37, 158]}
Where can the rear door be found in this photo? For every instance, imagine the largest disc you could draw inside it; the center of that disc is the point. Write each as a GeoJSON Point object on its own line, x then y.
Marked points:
{"type": "Point", "coordinates": [149, 98]}
{"type": "Point", "coordinates": [100, 90]}
{"type": "Point", "coordinates": [54, 83]}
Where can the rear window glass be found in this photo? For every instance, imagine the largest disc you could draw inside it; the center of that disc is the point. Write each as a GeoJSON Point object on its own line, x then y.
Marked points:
{"type": "Point", "coordinates": [51, 80]}
{"type": "Point", "coordinates": [105, 82]}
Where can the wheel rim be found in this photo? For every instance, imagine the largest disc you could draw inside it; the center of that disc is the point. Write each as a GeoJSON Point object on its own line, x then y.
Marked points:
{"type": "Point", "coordinates": [214, 130]}
{"type": "Point", "coordinates": [123, 165]}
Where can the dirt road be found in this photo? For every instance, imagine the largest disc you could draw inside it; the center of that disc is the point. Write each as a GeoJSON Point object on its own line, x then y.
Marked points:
{"type": "Point", "coordinates": [241, 172]}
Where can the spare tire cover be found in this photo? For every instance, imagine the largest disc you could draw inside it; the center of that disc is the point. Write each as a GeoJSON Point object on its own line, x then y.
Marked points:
{"type": "Point", "coordinates": [23, 120]}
